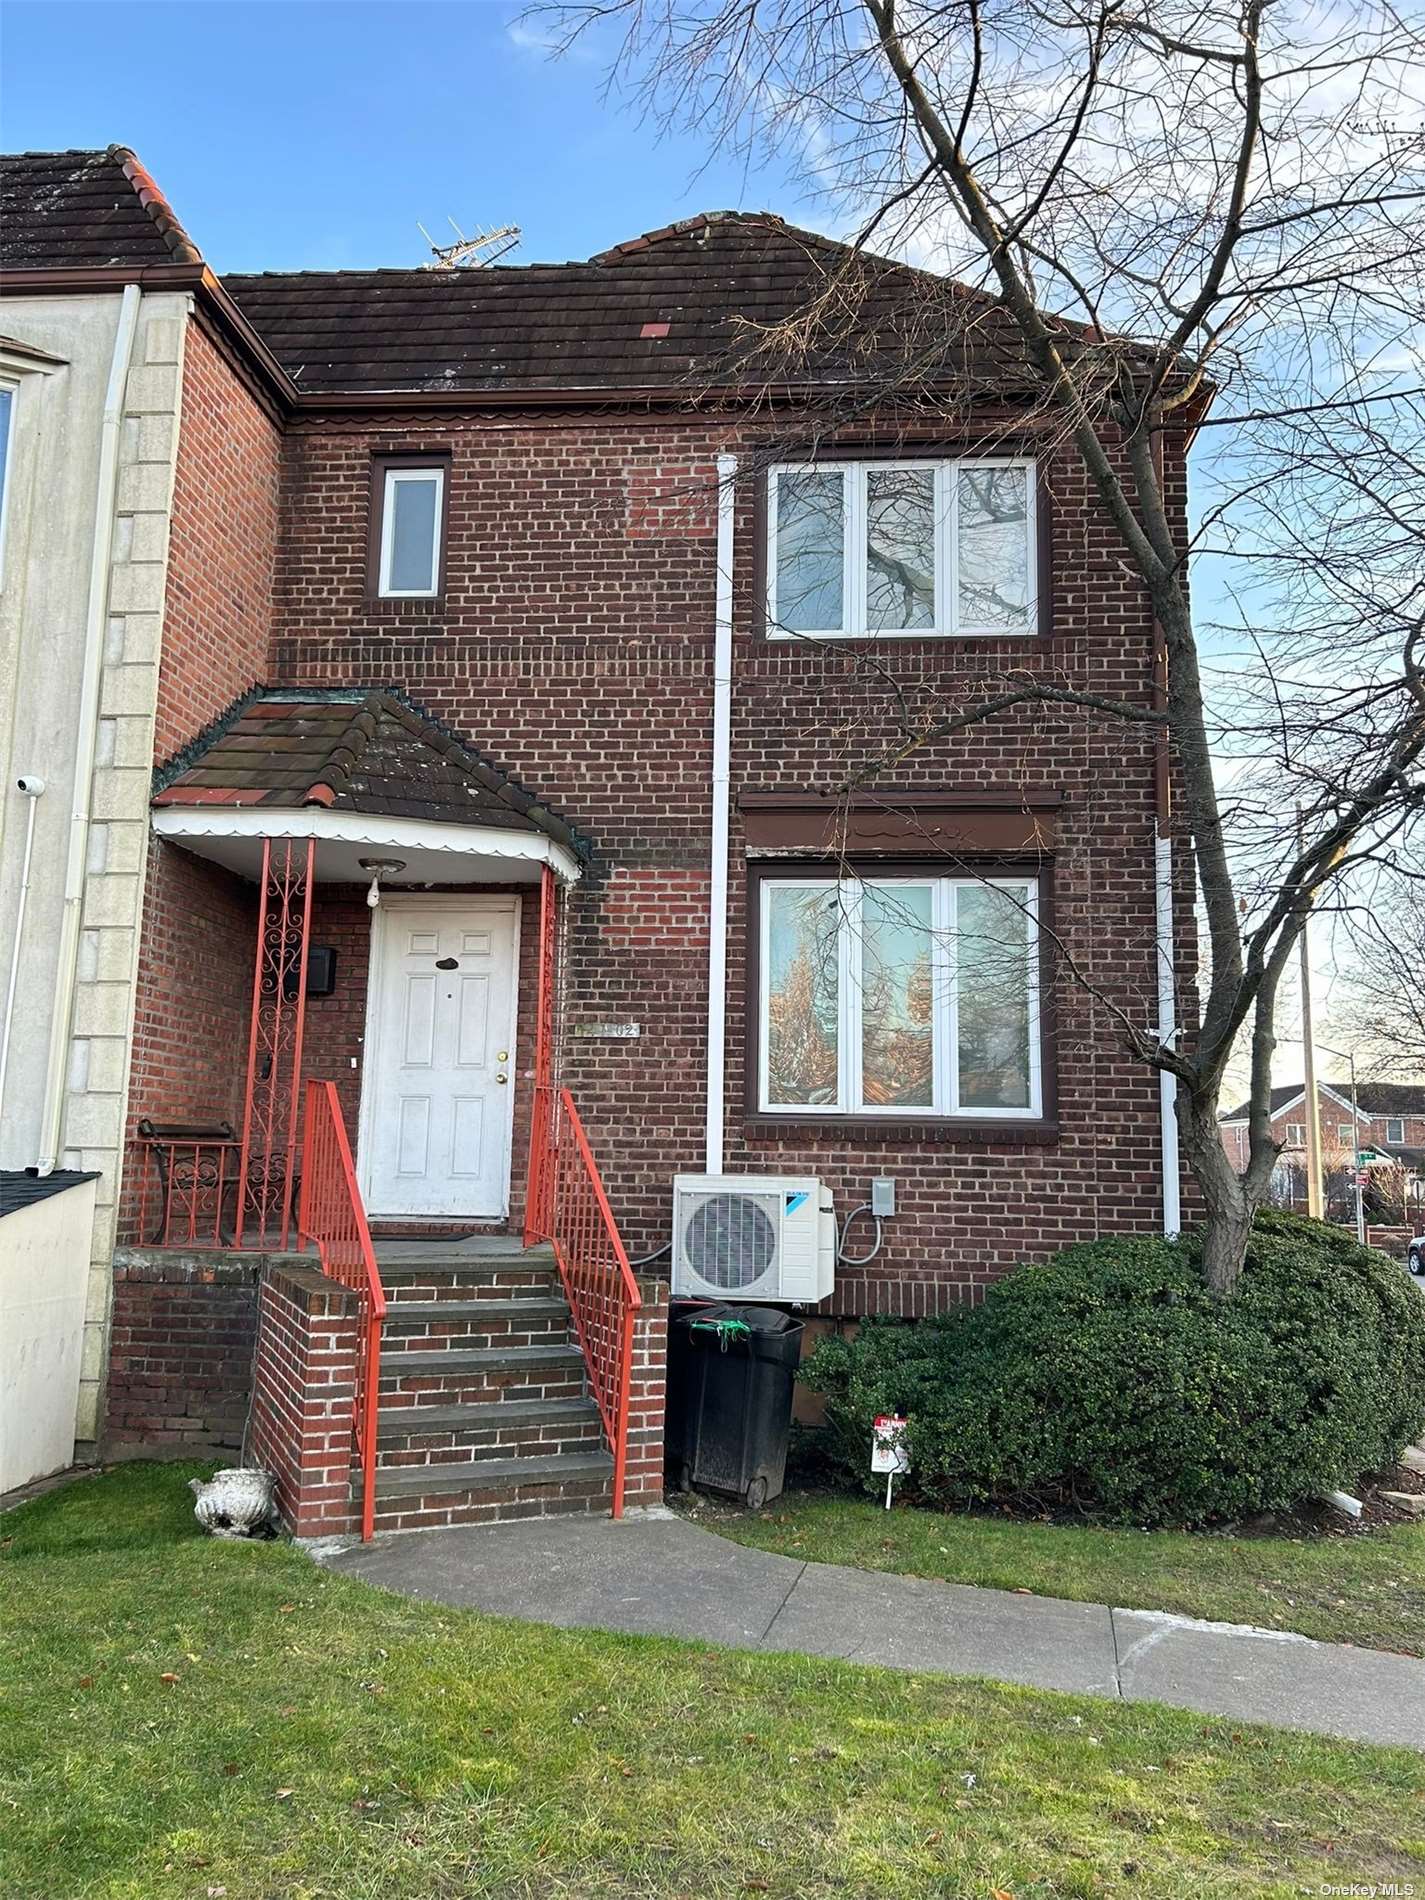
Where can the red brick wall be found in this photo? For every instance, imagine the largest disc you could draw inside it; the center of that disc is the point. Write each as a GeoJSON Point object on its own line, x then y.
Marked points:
{"type": "Point", "coordinates": [193, 1002]}
{"type": "Point", "coordinates": [304, 1379]}
{"type": "Point", "coordinates": [218, 611]}
{"type": "Point", "coordinates": [643, 1470]}
{"type": "Point", "coordinates": [574, 646]}
{"type": "Point", "coordinates": [180, 1354]}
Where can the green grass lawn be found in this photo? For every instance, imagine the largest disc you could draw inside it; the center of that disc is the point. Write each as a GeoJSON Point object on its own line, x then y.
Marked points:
{"type": "Point", "coordinates": [183, 1717]}
{"type": "Point", "coordinates": [1366, 1589]}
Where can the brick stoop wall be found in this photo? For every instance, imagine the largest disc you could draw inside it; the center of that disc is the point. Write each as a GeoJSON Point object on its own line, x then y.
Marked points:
{"type": "Point", "coordinates": [305, 1382]}
{"type": "Point", "coordinates": [643, 1470]}
{"type": "Point", "coordinates": [180, 1352]}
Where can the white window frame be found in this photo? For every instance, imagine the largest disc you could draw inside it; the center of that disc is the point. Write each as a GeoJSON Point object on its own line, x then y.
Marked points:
{"type": "Point", "coordinates": [945, 1102]}
{"type": "Point", "coordinates": [1395, 1121]}
{"type": "Point", "coordinates": [393, 477]}
{"type": "Point", "coordinates": [1296, 1134]}
{"type": "Point", "coordinates": [946, 624]}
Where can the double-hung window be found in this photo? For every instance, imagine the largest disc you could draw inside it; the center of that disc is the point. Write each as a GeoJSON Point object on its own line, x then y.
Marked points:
{"type": "Point", "coordinates": [861, 549]}
{"type": "Point", "coordinates": [901, 996]}
{"type": "Point", "coordinates": [412, 519]}
{"type": "Point", "coordinates": [1395, 1131]}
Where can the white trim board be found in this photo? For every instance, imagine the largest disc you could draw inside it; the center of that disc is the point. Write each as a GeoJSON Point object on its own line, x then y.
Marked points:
{"type": "Point", "coordinates": [215, 825]}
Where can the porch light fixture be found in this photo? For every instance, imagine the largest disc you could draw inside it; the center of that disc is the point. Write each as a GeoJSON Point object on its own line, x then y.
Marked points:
{"type": "Point", "coordinates": [379, 868]}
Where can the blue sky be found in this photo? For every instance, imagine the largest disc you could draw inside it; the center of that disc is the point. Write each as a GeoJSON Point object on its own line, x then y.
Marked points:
{"type": "Point", "coordinates": [291, 135]}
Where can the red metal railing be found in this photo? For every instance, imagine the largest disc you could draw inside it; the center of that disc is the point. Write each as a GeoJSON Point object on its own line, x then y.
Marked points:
{"type": "Point", "coordinates": [188, 1186]}
{"type": "Point", "coordinates": [603, 1294]}
{"type": "Point", "coordinates": [330, 1215]}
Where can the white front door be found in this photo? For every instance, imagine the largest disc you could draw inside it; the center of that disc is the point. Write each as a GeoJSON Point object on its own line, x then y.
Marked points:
{"type": "Point", "coordinates": [438, 1078]}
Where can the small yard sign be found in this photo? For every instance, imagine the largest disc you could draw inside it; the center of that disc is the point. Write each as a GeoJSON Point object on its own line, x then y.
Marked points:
{"type": "Point", "coordinates": [889, 1452]}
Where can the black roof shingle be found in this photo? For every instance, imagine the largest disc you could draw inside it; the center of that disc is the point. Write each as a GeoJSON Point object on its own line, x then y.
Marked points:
{"type": "Point", "coordinates": [675, 309]}
{"type": "Point", "coordinates": [85, 209]}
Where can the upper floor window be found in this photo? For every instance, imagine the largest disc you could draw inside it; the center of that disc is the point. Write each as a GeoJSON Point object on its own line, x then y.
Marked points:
{"type": "Point", "coordinates": [857, 549]}
{"type": "Point", "coordinates": [900, 995]}
{"type": "Point", "coordinates": [1296, 1134]}
{"type": "Point", "coordinates": [1395, 1130]}
{"type": "Point", "coordinates": [411, 498]}
{"type": "Point", "coordinates": [1345, 1134]}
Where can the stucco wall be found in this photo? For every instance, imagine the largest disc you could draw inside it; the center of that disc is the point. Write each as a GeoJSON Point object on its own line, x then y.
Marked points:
{"type": "Point", "coordinates": [50, 531]}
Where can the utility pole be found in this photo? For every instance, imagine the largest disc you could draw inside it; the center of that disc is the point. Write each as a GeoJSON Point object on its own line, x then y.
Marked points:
{"type": "Point", "coordinates": [1315, 1206]}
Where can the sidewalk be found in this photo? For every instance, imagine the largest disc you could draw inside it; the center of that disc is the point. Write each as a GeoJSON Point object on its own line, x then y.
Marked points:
{"type": "Point", "coordinates": [654, 1574]}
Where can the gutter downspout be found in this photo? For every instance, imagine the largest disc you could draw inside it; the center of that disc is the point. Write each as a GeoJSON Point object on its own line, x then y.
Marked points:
{"type": "Point", "coordinates": [87, 730]}
{"type": "Point", "coordinates": [33, 789]}
{"type": "Point", "coordinates": [721, 789]}
{"type": "Point", "coordinates": [1163, 922]}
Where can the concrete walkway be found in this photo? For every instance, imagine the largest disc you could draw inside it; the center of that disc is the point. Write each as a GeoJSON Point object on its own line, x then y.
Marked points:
{"type": "Point", "coordinates": [654, 1574]}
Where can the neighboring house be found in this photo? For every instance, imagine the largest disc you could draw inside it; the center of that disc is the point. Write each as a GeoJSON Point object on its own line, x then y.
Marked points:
{"type": "Point", "coordinates": [564, 629]}
{"type": "Point", "coordinates": [1388, 1120]}
{"type": "Point", "coordinates": [95, 314]}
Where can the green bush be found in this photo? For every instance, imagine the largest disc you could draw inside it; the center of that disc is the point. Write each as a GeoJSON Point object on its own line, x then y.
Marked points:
{"type": "Point", "coordinates": [1109, 1381]}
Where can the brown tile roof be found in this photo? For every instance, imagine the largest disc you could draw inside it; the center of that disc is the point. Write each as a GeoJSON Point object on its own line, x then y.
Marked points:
{"type": "Point", "coordinates": [371, 752]}
{"type": "Point", "coordinates": [671, 308]}
{"type": "Point", "coordinates": [82, 209]}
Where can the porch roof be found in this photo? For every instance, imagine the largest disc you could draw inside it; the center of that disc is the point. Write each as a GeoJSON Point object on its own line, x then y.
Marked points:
{"type": "Point", "coordinates": [364, 767]}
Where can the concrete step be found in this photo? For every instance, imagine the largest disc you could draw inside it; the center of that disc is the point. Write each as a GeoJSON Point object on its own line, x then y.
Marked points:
{"type": "Point", "coordinates": [406, 1286]}
{"type": "Point", "coordinates": [478, 1250]}
{"type": "Point", "coordinates": [532, 1313]}
{"type": "Point", "coordinates": [396, 1422]}
{"type": "Point", "coordinates": [492, 1475]}
{"type": "Point", "coordinates": [473, 1362]}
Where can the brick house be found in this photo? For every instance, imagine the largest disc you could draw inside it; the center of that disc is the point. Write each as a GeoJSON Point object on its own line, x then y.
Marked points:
{"type": "Point", "coordinates": [1388, 1118]}
{"type": "Point", "coordinates": [515, 642]}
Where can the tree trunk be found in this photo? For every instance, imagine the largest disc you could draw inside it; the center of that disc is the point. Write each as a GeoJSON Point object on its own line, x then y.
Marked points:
{"type": "Point", "coordinates": [1230, 1205]}
{"type": "Point", "coordinates": [1224, 1248]}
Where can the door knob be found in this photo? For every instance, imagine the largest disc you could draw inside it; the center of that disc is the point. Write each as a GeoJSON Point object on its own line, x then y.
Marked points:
{"type": "Point", "coordinates": [502, 1077]}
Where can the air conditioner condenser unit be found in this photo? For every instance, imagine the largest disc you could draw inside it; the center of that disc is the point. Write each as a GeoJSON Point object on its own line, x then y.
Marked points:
{"type": "Point", "coordinates": [752, 1237]}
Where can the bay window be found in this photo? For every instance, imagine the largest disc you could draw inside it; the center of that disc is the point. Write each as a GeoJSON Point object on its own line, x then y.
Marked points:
{"type": "Point", "coordinates": [860, 549]}
{"type": "Point", "coordinates": [903, 995]}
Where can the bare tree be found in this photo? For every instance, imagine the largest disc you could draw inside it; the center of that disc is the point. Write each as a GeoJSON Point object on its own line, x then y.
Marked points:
{"type": "Point", "coordinates": [1196, 218]}
{"type": "Point", "coordinates": [1382, 1002]}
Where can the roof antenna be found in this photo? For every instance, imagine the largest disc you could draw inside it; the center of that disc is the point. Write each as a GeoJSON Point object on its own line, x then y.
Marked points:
{"type": "Point", "coordinates": [470, 253]}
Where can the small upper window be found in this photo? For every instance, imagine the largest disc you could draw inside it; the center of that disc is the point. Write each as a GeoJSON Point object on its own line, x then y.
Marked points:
{"type": "Point", "coordinates": [858, 549]}
{"type": "Point", "coordinates": [1345, 1134]}
{"type": "Point", "coordinates": [412, 509]}
{"type": "Point", "coordinates": [1296, 1135]}
{"type": "Point", "coordinates": [1395, 1130]}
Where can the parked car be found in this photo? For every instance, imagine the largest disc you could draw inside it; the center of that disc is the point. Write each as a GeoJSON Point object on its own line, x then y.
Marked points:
{"type": "Point", "coordinates": [1416, 1255]}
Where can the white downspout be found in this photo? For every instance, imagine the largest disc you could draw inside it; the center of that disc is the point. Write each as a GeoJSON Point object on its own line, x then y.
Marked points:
{"type": "Point", "coordinates": [721, 788]}
{"type": "Point", "coordinates": [87, 730]}
{"type": "Point", "coordinates": [1167, 1030]}
{"type": "Point", "coordinates": [33, 789]}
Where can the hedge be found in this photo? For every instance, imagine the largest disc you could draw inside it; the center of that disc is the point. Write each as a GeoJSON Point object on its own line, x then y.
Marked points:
{"type": "Point", "coordinates": [1107, 1381]}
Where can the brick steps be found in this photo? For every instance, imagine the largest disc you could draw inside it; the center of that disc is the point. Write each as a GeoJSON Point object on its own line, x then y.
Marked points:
{"type": "Point", "coordinates": [470, 1427]}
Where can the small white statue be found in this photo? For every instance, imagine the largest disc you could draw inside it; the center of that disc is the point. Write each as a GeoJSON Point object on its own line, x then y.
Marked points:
{"type": "Point", "coordinates": [236, 1503]}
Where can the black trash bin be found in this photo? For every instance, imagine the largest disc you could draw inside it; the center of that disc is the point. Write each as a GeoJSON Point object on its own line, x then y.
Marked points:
{"type": "Point", "coordinates": [730, 1399]}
